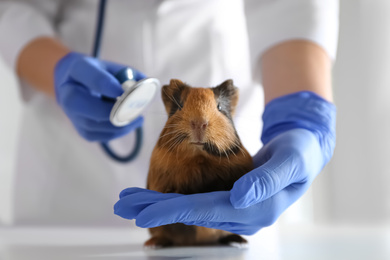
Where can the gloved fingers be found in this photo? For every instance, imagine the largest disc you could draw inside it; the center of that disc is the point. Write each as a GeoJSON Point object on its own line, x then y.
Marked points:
{"type": "Point", "coordinates": [207, 207]}
{"type": "Point", "coordinates": [114, 68]}
{"type": "Point", "coordinates": [263, 182]}
{"type": "Point", "coordinates": [270, 210]}
{"type": "Point", "coordinates": [105, 136]}
{"type": "Point", "coordinates": [75, 99]}
{"type": "Point", "coordinates": [90, 125]}
{"type": "Point", "coordinates": [134, 190]}
{"type": "Point", "coordinates": [129, 191]}
{"type": "Point", "coordinates": [99, 136]}
{"type": "Point", "coordinates": [262, 156]}
{"type": "Point", "coordinates": [134, 200]}
{"type": "Point", "coordinates": [92, 74]}
{"type": "Point", "coordinates": [212, 210]}
{"type": "Point", "coordinates": [103, 131]}
{"type": "Point", "coordinates": [293, 157]}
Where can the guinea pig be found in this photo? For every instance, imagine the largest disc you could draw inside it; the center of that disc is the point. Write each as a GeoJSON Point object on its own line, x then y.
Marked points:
{"type": "Point", "coordinates": [198, 151]}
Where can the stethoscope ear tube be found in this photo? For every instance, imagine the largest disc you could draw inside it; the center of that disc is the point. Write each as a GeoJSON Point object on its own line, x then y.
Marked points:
{"type": "Point", "coordinates": [96, 53]}
{"type": "Point", "coordinates": [99, 29]}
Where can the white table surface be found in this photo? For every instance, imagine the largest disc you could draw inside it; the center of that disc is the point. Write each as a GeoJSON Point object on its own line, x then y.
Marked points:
{"type": "Point", "coordinates": [291, 242]}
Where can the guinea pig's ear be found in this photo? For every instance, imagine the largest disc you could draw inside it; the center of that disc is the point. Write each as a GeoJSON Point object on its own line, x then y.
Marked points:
{"type": "Point", "coordinates": [226, 90]}
{"type": "Point", "coordinates": [171, 95]}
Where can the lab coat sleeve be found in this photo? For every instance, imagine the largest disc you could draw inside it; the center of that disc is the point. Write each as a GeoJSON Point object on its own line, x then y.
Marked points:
{"type": "Point", "coordinates": [22, 22]}
{"type": "Point", "coordinates": [271, 22]}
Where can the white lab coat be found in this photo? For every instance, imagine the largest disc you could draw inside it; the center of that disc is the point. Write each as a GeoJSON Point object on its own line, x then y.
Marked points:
{"type": "Point", "coordinates": [62, 179]}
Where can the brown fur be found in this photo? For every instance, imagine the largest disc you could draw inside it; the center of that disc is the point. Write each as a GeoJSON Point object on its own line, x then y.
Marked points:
{"type": "Point", "coordinates": [203, 116]}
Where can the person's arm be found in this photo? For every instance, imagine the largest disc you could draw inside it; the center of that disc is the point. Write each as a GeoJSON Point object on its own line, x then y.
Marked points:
{"type": "Point", "coordinates": [21, 23]}
{"type": "Point", "coordinates": [76, 80]}
{"type": "Point", "coordinates": [293, 66]}
{"type": "Point", "coordinates": [37, 61]}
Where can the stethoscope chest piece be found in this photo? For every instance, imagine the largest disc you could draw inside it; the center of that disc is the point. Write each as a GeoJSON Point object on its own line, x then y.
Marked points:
{"type": "Point", "coordinates": [136, 97]}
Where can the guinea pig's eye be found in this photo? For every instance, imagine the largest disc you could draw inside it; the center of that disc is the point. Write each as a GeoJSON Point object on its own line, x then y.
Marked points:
{"type": "Point", "coordinates": [219, 107]}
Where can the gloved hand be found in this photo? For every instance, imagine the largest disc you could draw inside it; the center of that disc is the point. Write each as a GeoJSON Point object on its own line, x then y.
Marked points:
{"type": "Point", "coordinates": [298, 137]}
{"type": "Point", "coordinates": [80, 84]}
{"type": "Point", "coordinates": [213, 210]}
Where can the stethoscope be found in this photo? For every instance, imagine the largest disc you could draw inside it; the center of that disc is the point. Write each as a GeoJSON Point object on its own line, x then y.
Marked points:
{"type": "Point", "coordinates": [137, 95]}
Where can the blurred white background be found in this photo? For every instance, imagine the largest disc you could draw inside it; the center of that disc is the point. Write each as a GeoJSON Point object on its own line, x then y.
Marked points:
{"type": "Point", "coordinates": [353, 187]}
{"type": "Point", "coordinates": [10, 113]}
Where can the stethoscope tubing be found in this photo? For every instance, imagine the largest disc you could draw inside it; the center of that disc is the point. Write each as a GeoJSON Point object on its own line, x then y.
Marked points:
{"type": "Point", "coordinates": [96, 53]}
{"type": "Point", "coordinates": [99, 29]}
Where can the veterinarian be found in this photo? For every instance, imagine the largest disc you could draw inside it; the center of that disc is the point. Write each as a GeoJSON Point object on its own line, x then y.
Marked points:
{"type": "Point", "coordinates": [64, 177]}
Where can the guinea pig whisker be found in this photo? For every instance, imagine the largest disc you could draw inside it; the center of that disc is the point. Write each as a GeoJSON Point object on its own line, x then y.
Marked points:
{"type": "Point", "coordinates": [227, 156]}
{"type": "Point", "coordinates": [176, 143]}
{"type": "Point", "coordinates": [172, 98]}
{"type": "Point", "coordinates": [171, 141]}
{"type": "Point", "coordinates": [223, 148]}
{"type": "Point", "coordinates": [212, 149]}
{"type": "Point", "coordinates": [181, 138]}
{"type": "Point", "coordinates": [169, 133]}
{"type": "Point", "coordinates": [239, 145]}
{"type": "Point", "coordinates": [232, 150]}
{"type": "Point", "coordinates": [171, 126]}
{"type": "Point", "coordinates": [223, 143]}
{"type": "Point", "coordinates": [166, 134]}
{"type": "Point", "coordinates": [170, 144]}
{"type": "Point", "coordinates": [178, 140]}
{"type": "Point", "coordinates": [173, 144]}
{"type": "Point", "coordinates": [229, 151]}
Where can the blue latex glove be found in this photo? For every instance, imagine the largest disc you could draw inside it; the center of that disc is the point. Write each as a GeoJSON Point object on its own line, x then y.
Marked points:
{"type": "Point", "coordinates": [80, 82]}
{"type": "Point", "coordinates": [213, 210]}
{"type": "Point", "coordinates": [298, 137]}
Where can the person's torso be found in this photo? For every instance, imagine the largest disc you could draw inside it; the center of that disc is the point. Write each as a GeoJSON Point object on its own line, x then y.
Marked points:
{"type": "Point", "coordinates": [201, 42]}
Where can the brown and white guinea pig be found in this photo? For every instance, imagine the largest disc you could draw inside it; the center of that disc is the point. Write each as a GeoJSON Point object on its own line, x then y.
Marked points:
{"type": "Point", "coordinates": [198, 151]}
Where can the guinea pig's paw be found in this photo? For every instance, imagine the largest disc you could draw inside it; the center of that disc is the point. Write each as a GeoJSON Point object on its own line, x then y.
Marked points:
{"type": "Point", "coordinates": [157, 242]}
{"type": "Point", "coordinates": [234, 240]}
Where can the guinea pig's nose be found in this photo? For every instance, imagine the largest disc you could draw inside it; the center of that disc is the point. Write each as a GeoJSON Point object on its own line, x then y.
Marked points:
{"type": "Point", "coordinates": [199, 124]}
